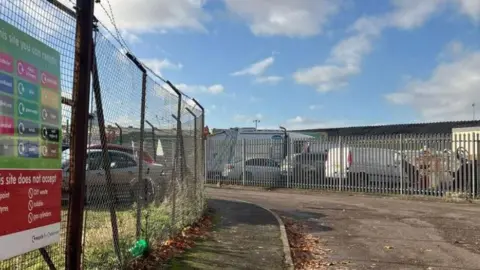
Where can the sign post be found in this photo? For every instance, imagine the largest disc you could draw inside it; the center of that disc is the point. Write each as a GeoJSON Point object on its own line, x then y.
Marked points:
{"type": "Point", "coordinates": [30, 143]}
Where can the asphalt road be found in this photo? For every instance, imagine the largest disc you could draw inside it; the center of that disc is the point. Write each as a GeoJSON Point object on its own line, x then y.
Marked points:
{"type": "Point", "coordinates": [367, 232]}
{"type": "Point", "coordinates": [244, 237]}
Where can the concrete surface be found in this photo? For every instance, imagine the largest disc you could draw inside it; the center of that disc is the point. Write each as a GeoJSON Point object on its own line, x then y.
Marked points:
{"type": "Point", "coordinates": [244, 236]}
{"type": "Point", "coordinates": [367, 232]}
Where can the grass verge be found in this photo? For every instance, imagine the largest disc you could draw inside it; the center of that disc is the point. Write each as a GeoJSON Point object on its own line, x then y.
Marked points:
{"type": "Point", "coordinates": [98, 248]}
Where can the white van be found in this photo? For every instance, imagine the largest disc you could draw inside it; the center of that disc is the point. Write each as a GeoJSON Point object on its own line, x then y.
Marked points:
{"type": "Point", "coordinates": [368, 164]}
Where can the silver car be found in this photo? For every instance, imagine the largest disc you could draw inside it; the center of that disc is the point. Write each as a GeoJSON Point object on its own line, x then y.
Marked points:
{"type": "Point", "coordinates": [255, 169]}
{"type": "Point", "coordinates": [124, 172]}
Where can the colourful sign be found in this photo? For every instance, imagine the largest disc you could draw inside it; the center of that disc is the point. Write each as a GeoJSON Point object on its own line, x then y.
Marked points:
{"type": "Point", "coordinates": [30, 136]}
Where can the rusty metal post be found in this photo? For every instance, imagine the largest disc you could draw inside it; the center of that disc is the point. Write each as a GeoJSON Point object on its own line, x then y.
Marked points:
{"type": "Point", "coordinates": [81, 88]}
{"type": "Point", "coordinates": [140, 178]}
{"type": "Point", "coordinates": [153, 141]}
{"type": "Point", "coordinates": [112, 199]}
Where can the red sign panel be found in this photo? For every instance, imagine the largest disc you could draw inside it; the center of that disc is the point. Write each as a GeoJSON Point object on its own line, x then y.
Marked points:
{"type": "Point", "coordinates": [29, 199]}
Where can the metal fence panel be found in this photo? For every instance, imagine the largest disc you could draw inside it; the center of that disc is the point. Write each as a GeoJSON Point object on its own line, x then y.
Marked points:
{"type": "Point", "coordinates": [415, 164]}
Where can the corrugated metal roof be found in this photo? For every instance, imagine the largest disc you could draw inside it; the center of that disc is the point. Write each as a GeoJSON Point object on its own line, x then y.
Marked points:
{"type": "Point", "coordinates": [423, 128]}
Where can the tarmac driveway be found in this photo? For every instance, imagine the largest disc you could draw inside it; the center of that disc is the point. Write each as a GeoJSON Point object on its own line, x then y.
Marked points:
{"type": "Point", "coordinates": [368, 232]}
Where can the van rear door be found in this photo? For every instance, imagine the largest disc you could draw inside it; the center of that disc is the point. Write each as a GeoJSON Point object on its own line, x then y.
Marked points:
{"type": "Point", "coordinates": [337, 162]}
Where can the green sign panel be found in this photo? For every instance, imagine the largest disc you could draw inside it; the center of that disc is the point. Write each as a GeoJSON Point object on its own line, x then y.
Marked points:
{"type": "Point", "coordinates": [30, 102]}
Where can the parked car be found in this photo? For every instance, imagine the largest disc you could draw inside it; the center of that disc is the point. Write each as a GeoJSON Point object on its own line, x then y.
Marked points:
{"type": "Point", "coordinates": [362, 165]}
{"type": "Point", "coordinates": [304, 167]}
{"type": "Point", "coordinates": [257, 169]}
{"type": "Point", "coordinates": [146, 156]}
{"type": "Point", "coordinates": [124, 172]}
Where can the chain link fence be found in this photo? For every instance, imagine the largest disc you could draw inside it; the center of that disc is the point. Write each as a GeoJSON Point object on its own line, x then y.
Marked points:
{"type": "Point", "coordinates": [144, 166]}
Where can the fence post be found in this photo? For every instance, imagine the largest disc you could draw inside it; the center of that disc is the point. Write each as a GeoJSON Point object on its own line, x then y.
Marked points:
{"type": "Point", "coordinates": [244, 159]}
{"type": "Point", "coordinates": [288, 160]}
{"type": "Point", "coordinates": [106, 158]}
{"type": "Point", "coordinates": [140, 179]}
{"type": "Point", "coordinates": [203, 162]}
{"type": "Point", "coordinates": [154, 144]}
{"type": "Point", "coordinates": [473, 161]}
{"type": "Point", "coordinates": [205, 174]}
{"type": "Point", "coordinates": [178, 155]}
{"type": "Point", "coordinates": [401, 164]}
{"type": "Point", "coordinates": [81, 88]}
{"type": "Point", "coordinates": [121, 133]}
{"type": "Point", "coordinates": [203, 136]}
{"type": "Point", "coordinates": [476, 164]}
{"type": "Point", "coordinates": [194, 155]}
{"type": "Point", "coordinates": [342, 163]}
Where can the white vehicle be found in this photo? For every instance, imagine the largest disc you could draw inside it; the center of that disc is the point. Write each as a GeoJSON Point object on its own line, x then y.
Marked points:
{"type": "Point", "coordinates": [232, 144]}
{"type": "Point", "coordinates": [257, 169]}
{"type": "Point", "coordinates": [365, 164]}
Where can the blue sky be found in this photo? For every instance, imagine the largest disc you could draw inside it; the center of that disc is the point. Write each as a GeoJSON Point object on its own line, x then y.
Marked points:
{"type": "Point", "coordinates": [312, 63]}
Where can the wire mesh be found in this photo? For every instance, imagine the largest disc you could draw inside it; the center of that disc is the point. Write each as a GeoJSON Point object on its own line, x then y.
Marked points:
{"type": "Point", "coordinates": [56, 29]}
{"type": "Point", "coordinates": [141, 183]}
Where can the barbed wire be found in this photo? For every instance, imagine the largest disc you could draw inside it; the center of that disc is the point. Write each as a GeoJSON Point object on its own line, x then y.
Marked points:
{"type": "Point", "coordinates": [120, 40]}
{"type": "Point", "coordinates": [124, 45]}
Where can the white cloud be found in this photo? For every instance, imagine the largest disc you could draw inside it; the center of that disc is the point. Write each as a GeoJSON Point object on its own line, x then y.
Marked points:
{"type": "Point", "coordinates": [411, 14]}
{"type": "Point", "coordinates": [143, 16]}
{"type": "Point", "coordinates": [314, 107]}
{"type": "Point", "coordinates": [257, 68]}
{"type": "Point", "coordinates": [452, 50]}
{"type": "Point", "coordinates": [470, 8]}
{"type": "Point", "coordinates": [448, 93]}
{"type": "Point", "coordinates": [196, 89]}
{"type": "Point", "coordinates": [215, 89]}
{"type": "Point", "coordinates": [157, 65]}
{"type": "Point", "coordinates": [344, 61]}
{"type": "Point", "coordinates": [299, 18]}
{"type": "Point", "coordinates": [130, 37]}
{"type": "Point", "coordinates": [269, 79]}
{"type": "Point", "coordinates": [346, 57]}
{"type": "Point", "coordinates": [325, 78]}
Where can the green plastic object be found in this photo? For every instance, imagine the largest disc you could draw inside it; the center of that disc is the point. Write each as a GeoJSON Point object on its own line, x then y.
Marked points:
{"type": "Point", "coordinates": [140, 248]}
